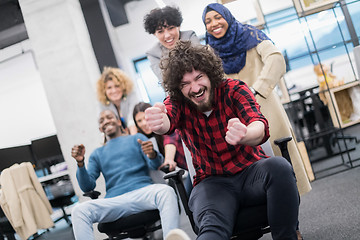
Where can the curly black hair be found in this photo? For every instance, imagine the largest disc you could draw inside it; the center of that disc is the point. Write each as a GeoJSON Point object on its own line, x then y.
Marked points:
{"type": "Point", "coordinates": [162, 17]}
{"type": "Point", "coordinates": [183, 58]}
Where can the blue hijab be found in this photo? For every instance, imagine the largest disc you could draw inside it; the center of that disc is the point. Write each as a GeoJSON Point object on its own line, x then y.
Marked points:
{"type": "Point", "coordinates": [237, 40]}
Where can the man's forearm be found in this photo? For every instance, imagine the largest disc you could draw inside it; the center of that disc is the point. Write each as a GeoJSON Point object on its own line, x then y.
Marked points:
{"type": "Point", "coordinates": [255, 133]}
{"type": "Point", "coordinates": [165, 127]}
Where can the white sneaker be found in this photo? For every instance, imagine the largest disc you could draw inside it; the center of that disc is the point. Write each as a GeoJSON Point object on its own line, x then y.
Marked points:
{"type": "Point", "coordinates": [177, 234]}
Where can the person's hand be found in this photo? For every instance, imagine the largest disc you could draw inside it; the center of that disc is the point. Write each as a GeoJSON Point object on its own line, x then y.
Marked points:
{"type": "Point", "coordinates": [236, 131]}
{"type": "Point", "coordinates": [148, 148]}
{"type": "Point", "coordinates": [172, 164]}
{"type": "Point", "coordinates": [154, 116]}
{"type": "Point", "coordinates": [78, 152]}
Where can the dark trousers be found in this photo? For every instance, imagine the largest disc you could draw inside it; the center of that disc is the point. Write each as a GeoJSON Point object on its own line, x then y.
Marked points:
{"type": "Point", "coordinates": [216, 200]}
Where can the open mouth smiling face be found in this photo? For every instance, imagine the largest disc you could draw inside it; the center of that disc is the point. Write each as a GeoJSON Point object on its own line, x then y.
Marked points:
{"type": "Point", "coordinates": [196, 87]}
{"type": "Point", "coordinates": [215, 24]}
{"type": "Point", "coordinates": [168, 36]}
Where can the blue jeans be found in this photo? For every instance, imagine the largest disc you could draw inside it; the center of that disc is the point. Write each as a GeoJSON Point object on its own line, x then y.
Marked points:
{"type": "Point", "coordinates": [215, 200]}
{"type": "Point", "coordinates": [155, 196]}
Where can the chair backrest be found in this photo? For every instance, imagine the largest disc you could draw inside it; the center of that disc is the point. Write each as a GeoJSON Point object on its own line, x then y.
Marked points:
{"type": "Point", "coordinates": [156, 175]}
{"type": "Point", "coordinates": [266, 146]}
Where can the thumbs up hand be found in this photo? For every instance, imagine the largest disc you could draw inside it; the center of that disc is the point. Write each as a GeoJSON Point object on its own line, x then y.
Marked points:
{"type": "Point", "coordinates": [148, 148]}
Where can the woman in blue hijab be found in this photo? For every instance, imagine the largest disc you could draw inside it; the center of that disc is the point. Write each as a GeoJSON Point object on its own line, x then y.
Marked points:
{"type": "Point", "coordinates": [236, 40]}
{"type": "Point", "coordinates": [249, 55]}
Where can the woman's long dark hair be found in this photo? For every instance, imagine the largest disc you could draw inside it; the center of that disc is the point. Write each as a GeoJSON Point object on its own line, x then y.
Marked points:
{"type": "Point", "coordinates": [141, 107]}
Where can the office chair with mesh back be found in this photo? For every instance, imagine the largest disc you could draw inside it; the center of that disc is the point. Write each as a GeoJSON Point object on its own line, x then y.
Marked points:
{"type": "Point", "coordinates": [252, 222]}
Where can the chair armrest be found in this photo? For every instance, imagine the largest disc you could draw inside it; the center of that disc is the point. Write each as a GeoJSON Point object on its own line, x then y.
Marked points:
{"type": "Point", "coordinates": [165, 169]}
{"type": "Point", "coordinates": [283, 140]}
{"type": "Point", "coordinates": [175, 175]}
{"type": "Point", "coordinates": [92, 194]}
{"type": "Point", "coordinates": [282, 144]}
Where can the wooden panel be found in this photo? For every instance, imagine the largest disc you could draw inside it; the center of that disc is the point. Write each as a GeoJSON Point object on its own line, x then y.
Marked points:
{"type": "Point", "coordinates": [306, 161]}
{"type": "Point", "coordinates": [341, 106]}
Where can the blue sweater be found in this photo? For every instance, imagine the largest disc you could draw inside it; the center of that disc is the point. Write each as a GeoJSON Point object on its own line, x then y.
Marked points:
{"type": "Point", "coordinates": [123, 164]}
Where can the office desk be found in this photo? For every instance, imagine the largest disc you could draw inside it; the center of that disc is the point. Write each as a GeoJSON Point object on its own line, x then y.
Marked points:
{"type": "Point", "coordinates": [53, 176]}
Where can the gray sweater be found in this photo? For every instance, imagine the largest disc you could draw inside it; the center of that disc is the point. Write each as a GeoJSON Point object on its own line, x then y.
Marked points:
{"type": "Point", "coordinates": [157, 51]}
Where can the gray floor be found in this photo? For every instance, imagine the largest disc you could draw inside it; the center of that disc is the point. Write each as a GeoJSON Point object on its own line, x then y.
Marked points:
{"type": "Point", "coordinates": [330, 211]}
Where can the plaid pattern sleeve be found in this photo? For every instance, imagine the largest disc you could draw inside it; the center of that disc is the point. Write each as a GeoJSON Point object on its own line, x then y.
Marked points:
{"type": "Point", "coordinates": [205, 135]}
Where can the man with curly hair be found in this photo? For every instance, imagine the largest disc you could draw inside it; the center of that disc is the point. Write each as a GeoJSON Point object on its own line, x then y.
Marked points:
{"type": "Point", "coordinates": [165, 23]}
{"type": "Point", "coordinates": [221, 124]}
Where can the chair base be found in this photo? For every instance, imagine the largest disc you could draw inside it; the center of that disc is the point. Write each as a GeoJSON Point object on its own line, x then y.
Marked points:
{"type": "Point", "coordinates": [64, 216]}
{"type": "Point", "coordinates": [62, 202]}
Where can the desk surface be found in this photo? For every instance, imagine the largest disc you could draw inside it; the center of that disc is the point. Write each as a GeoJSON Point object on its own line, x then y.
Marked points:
{"type": "Point", "coordinates": [50, 177]}
{"type": "Point", "coordinates": [53, 176]}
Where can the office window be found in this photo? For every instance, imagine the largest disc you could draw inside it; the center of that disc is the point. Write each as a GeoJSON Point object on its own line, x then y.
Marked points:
{"type": "Point", "coordinates": [327, 29]}
{"type": "Point", "coordinates": [150, 87]}
{"type": "Point", "coordinates": [354, 9]}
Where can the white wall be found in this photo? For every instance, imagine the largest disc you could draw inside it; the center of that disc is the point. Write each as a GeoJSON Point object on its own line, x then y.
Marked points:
{"type": "Point", "coordinates": [25, 112]}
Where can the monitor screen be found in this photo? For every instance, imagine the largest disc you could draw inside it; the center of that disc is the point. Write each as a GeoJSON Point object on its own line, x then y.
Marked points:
{"type": "Point", "coordinates": [12, 155]}
{"type": "Point", "coordinates": [47, 152]}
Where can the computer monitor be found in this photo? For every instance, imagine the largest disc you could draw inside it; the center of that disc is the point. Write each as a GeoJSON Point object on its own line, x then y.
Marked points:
{"type": "Point", "coordinates": [47, 152]}
{"type": "Point", "coordinates": [18, 154]}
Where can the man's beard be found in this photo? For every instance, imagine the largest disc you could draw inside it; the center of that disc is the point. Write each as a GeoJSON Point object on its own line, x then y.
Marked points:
{"type": "Point", "coordinates": [204, 107]}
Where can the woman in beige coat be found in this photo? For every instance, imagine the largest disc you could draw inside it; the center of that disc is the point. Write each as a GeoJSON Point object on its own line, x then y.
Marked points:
{"type": "Point", "coordinates": [24, 201]}
{"type": "Point", "coordinates": [249, 55]}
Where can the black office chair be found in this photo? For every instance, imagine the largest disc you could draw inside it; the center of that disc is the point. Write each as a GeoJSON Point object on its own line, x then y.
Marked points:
{"type": "Point", "coordinates": [252, 222]}
{"type": "Point", "coordinates": [6, 230]}
{"type": "Point", "coordinates": [61, 196]}
{"type": "Point", "coordinates": [139, 225]}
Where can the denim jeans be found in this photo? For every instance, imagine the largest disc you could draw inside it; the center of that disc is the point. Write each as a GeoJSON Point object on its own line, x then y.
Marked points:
{"type": "Point", "coordinates": [215, 200]}
{"type": "Point", "coordinates": [155, 196]}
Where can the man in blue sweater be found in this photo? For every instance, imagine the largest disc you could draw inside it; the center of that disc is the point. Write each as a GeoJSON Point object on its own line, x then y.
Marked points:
{"type": "Point", "coordinates": [124, 161]}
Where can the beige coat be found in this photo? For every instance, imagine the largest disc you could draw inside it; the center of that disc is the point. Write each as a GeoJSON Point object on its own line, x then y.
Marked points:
{"type": "Point", "coordinates": [263, 70]}
{"type": "Point", "coordinates": [24, 201]}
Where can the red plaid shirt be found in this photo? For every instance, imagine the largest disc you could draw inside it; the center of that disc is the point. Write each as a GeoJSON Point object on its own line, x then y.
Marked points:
{"type": "Point", "coordinates": [205, 136]}
{"type": "Point", "coordinates": [175, 139]}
